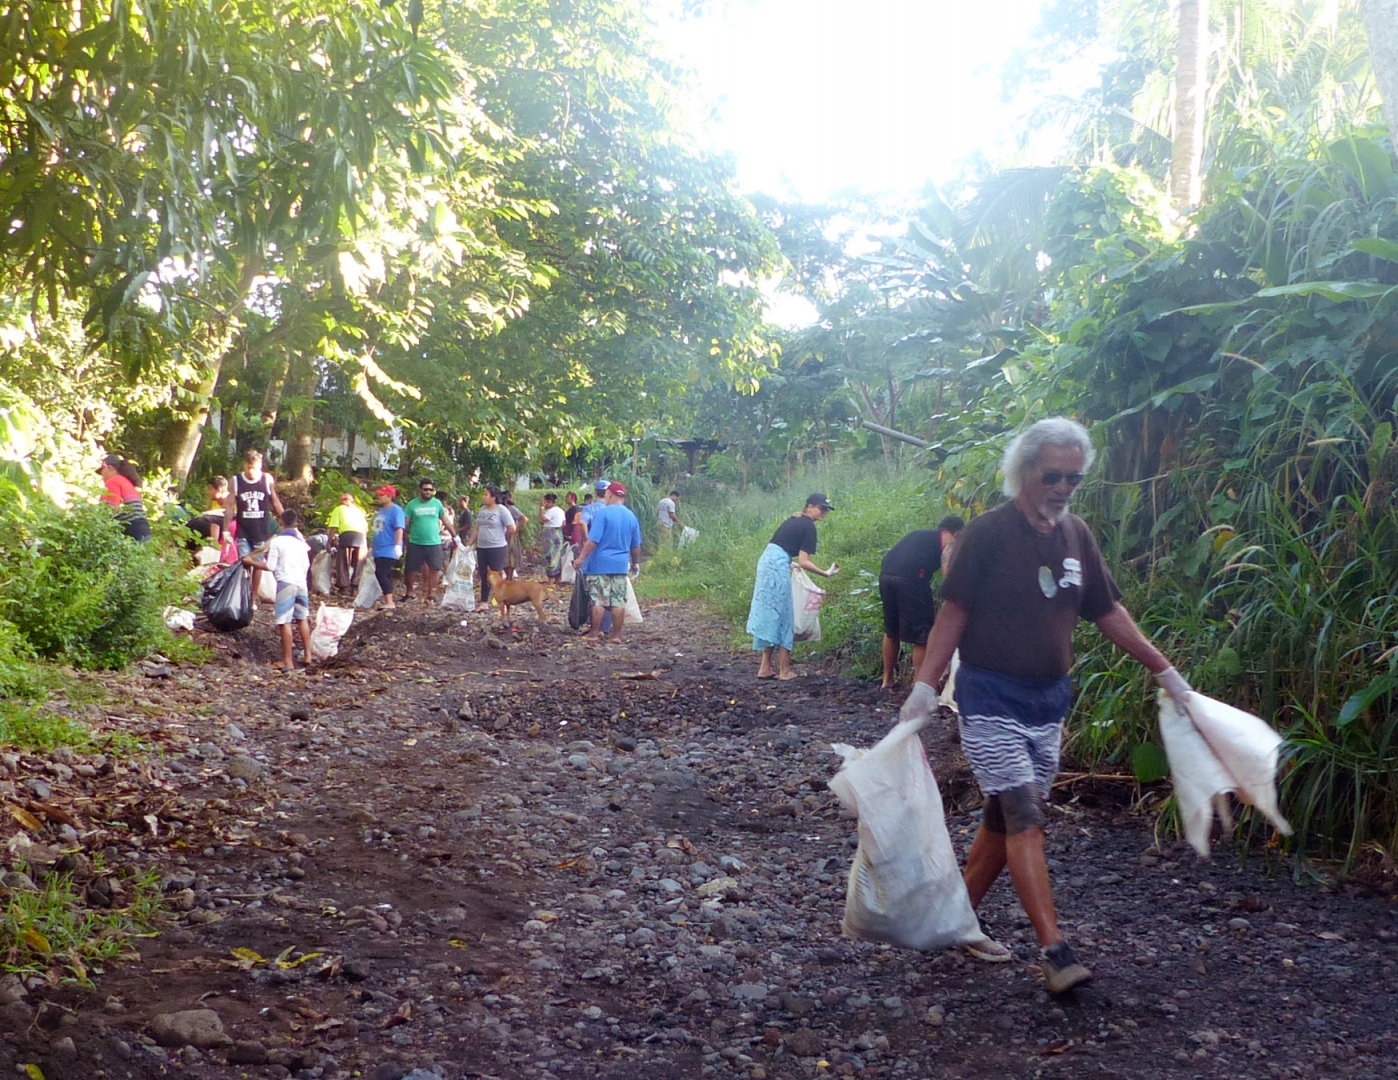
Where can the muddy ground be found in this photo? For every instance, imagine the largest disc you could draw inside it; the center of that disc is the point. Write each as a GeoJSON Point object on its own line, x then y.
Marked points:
{"type": "Point", "coordinates": [463, 852]}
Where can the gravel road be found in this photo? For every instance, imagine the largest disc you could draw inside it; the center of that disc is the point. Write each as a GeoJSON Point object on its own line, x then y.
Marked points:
{"type": "Point", "coordinates": [459, 851]}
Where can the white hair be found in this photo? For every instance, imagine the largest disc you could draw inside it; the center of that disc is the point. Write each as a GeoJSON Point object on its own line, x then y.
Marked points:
{"type": "Point", "coordinates": [1025, 447]}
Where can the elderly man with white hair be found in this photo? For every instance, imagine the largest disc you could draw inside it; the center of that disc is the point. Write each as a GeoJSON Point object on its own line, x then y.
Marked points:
{"type": "Point", "coordinates": [1024, 574]}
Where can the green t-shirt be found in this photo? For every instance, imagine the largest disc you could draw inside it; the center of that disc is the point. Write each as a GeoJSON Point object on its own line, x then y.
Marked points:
{"type": "Point", "coordinates": [424, 521]}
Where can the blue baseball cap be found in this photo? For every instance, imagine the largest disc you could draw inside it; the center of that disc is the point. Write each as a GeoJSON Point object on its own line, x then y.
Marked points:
{"type": "Point", "coordinates": [602, 485]}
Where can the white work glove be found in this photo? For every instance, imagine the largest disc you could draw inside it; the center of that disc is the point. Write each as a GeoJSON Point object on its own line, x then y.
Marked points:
{"type": "Point", "coordinates": [921, 704]}
{"type": "Point", "coordinates": [397, 551]}
{"type": "Point", "coordinates": [1174, 684]}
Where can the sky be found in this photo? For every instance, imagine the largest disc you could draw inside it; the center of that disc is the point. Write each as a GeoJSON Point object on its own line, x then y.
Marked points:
{"type": "Point", "coordinates": [813, 97]}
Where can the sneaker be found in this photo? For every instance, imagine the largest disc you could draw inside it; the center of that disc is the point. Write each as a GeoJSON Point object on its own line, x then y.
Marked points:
{"type": "Point", "coordinates": [1062, 969]}
{"type": "Point", "coordinates": [988, 950]}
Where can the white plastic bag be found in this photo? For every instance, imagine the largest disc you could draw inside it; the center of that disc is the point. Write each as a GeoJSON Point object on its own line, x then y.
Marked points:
{"type": "Point", "coordinates": [806, 599]}
{"type": "Point", "coordinates": [179, 619]}
{"type": "Point", "coordinates": [267, 588]}
{"type": "Point", "coordinates": [687, 536]}
{"type": "Point", "coordinates": [904, 887]}
{"type": "Point", "coordinates": [1214, 751]}
{"type": "Point", "coordinates": [332, 623]}
{"type": "Point", "coordinates": [633, 606]}
{"type": "Point", "coordinates": [369, 592]}
{"type": "Point", "coordinates": [567, 575]}
{"type": "Point", "coordinates": [321, 579]}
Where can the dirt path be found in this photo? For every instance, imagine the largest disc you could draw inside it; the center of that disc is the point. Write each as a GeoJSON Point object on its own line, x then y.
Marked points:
{"type": "Point", "coordinates": [513, 861]}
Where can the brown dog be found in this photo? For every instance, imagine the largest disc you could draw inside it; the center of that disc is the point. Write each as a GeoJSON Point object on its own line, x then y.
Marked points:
{"type": "Point", "coordinates": [513, 592]}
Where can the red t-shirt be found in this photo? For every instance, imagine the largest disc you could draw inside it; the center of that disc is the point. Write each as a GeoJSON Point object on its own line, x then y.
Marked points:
{"type": "Point", "coordinates": [120, 490]}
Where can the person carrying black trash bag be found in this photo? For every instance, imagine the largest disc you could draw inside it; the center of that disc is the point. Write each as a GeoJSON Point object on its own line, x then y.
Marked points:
{"type": "Point", "coordinates": [905, 588]}
{"type": "Point", "coordinates": [1023, 575]}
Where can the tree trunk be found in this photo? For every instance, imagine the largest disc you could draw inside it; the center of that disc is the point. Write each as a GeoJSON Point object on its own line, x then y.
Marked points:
{"type": "Point", "coordinates": [1381, 21]}
{"type": "Point", "coordinates": [272, 396]}
{"type": "Point", "coordinates": [297, 470]}
{"type": "Point", "coordinates": [1191, 90]}
{"type": "Point", "coordinates": [181, 439]}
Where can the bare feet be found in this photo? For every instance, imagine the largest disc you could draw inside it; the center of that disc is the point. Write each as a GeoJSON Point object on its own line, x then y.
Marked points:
{"type": "Point", "coordinates": [785, 675]}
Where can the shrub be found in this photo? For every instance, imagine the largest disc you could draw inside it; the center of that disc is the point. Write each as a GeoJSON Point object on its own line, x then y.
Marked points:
{"type": "Point", "coordinates": [74, 588]}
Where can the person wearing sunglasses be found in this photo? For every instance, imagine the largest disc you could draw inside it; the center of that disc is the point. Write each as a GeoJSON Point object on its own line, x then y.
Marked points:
{"type": "Point", "coordinates": [1024, 574]}
{"type": "Point", "coordinates": [427, 518]}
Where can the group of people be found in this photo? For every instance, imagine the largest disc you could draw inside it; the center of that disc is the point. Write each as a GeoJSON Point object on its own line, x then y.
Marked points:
{"type": "Point", "coordinates": [1015, 582]}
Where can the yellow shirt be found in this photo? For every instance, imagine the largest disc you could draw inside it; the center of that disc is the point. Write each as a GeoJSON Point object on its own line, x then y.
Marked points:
{"type": "Point", "coordinates": [348, 519]}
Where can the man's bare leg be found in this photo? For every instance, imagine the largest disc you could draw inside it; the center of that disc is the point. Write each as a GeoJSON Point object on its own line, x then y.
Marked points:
{"type": "Point", "coordinates": [890, 659]}
{"type": "Point", "coordinates": [594, 632]}
{"type": "Point", "coordinates": [618, 621]}
{"type": "Point", "coordinates": [984, 862]}
{"type": "Point", "coordinates": [1024, 854]}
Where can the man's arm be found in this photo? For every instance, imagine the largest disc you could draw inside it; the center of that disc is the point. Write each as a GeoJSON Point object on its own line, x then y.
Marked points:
{"type": "Point", "coordinates": [277, 507]}
{"type": "Point", "coordinates": [1121, 630]}
{"type": "Point", "coordinates": [636, 558]}
{"type": "Point", "coordinates": [945, 637]}
{"type": "Point", "coordinates": [587, 549]}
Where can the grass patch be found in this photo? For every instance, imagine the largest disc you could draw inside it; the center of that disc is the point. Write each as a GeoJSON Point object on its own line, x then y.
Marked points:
{"type": "Point", "coordinates": [51, 932]}
{"type": "Point", "coordinates": [875, 507]}
{"type": "Point", "coordinates": [35, 727]}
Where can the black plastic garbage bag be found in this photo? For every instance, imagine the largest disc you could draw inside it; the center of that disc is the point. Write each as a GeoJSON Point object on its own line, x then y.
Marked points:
{"type": "Point", "coordinates": [580, 607]}
{"type": "Point", "coordinates": [227, 598]}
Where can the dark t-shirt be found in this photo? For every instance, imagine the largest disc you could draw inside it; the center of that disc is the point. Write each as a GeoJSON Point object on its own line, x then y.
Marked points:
{"type": "Point", "coordinates": [1025, 591]}
{"type": "Point", "coordinates": [796, 534]}
{"type": "Point", "coordinates": [254, 509]}
{"type": "Point", "coordinates": [916, 557]}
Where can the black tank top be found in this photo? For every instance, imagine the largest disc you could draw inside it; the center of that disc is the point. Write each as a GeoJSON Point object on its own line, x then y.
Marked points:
{"type": "Point", "coordinates": [254, 500]}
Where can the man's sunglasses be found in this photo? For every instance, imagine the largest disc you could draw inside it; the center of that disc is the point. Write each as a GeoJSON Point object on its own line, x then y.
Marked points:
{"type": "Point", "coordinates": [1053, 478]}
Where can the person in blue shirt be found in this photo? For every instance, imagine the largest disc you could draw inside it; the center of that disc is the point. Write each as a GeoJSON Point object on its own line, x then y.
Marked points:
{"type": "Point", "coordinates": [612, 549]}
{"type": "Point", "coordinates": [389, 523]}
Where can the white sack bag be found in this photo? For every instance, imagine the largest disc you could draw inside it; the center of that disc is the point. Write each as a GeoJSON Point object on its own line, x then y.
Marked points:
{"type": "Point", "coordinates": [948, 694]}
{"type": "Point", "coordinates": [904, 887]}
{"type": "Point", "coordinates": [688, 535]}
{"type": "Point", "coordinates": [267, 588]}
{"type": "Point", "coordinates": [460, 595]}
{"type": "Point", "coordinates": [321, 578]}
{"type": "Point", "coordinates": [806, 598]}
{"type": "Point", "coordinates": [1214, 751]}
{"type": "Point", "coordinates": [567, 575]}
{"type": "Point", "coordinates": [332, 623]}
{"type": "Point", "coordinates": [369, 591]}
{"type": "Point", "coordinates": [633, 606]}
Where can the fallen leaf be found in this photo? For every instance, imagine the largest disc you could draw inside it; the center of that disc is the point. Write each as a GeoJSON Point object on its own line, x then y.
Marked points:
{"type": "Point", "coordinates": [28, 820]}
{"type": "Point", "coordinates": [34, 1072]}
{"type": "Point", "coordinates": [402, 1015]}
{"type": "Point", "coordinates": [289, 964]}
{"type": "Point", "coordinates": [37, 941]}
{"type": "Point", "coordinates": [457, 943]}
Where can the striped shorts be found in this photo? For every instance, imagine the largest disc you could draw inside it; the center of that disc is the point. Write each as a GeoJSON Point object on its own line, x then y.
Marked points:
{"type": "Point", "coordinates": [1011, 729]}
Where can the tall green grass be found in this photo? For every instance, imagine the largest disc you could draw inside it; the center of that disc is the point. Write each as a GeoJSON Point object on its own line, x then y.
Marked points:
{"type": "Point", "coordinates": [874, 507]}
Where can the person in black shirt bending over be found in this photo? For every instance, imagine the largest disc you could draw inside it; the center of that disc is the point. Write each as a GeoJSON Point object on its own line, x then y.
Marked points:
{"type": "Point", "coordinates": [905, 587]}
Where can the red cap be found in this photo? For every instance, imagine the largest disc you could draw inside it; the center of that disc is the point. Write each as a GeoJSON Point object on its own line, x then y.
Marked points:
{"type": "Point", "coordinates": [616, 489]}
{"type": "Point", "coordinates": [389, 490]}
